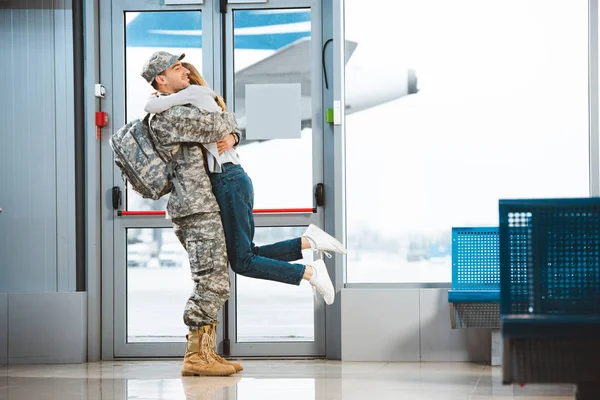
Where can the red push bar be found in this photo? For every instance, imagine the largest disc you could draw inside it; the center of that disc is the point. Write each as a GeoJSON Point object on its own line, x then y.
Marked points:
{"type": "Point", "coordinates": [122, 213]}
{"type": "Point", "coordinates": [256, 211]}
{"type": "Point", "coordinates": [283, 210]}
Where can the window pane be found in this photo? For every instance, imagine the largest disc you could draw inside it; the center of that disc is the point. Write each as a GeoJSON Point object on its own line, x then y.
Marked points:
{"type": "Point", "coordinates": [158, 286]}
{"type": "Point", "coordinates": [146, 33]}
{"type": "Point", "coordinates": [271, 47]}
{"type": "Point", "coordinates": [271, 311]}
{"type": "Point", "coordinates": [501, 112]}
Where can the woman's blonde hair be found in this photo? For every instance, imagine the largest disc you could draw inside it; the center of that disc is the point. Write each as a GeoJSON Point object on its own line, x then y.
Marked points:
{"type": "Point", "coordinates": [197, 79]}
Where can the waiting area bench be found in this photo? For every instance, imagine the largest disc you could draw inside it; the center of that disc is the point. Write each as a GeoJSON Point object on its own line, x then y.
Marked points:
{"type": "Point", "coordinates": [550, 292]}
{"type": "Point", "coordinates": [474, 299]}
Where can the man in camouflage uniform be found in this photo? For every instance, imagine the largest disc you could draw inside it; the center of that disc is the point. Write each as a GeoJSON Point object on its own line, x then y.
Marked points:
{"type": "Point", "coordinates": [180, 131]}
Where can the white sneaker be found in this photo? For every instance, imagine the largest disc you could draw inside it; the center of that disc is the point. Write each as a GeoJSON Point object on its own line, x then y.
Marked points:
{"type": "Point", "coordinates": [322, 241]}
{"type": "Point", "coordinates": [322, 282]}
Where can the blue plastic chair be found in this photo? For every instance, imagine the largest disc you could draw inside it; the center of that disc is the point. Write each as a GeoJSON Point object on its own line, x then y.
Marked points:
{"type": "Point", "coordinates": [475, 295]}
{"type": "Point", "coordinates": [550, 291]}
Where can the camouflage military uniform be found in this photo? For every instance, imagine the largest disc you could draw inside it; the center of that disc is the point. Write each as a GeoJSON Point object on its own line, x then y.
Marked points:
{"type": "Point", "coordinates": [189, 127]}
{"type": "Point", "coordinates": [203, 238]}
{"type": "Point", "coordinates": [193, 207]}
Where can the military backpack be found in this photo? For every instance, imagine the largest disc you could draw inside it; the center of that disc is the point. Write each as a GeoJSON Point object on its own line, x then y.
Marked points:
{"type": "Point", "coordinates": [136, 155]}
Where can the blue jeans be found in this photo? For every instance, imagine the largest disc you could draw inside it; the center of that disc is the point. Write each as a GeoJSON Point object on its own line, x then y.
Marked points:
{"type": "Point", "coordinates": [235, 196]}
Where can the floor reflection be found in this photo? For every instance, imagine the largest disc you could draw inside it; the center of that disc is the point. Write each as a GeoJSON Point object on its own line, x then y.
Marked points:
{"type": "Point", "coordinates": [269, 380]}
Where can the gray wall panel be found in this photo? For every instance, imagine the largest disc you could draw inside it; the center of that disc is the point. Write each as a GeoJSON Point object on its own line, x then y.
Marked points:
{"type": "Point", "coordinates": [5, 139]}
{"type": "Point", "coordinates": [37, 225]}
{"type": "Point", "coordinates": [439, 342]}
{"type": "Point", "coordinates": [3, 328]}
{"type": "Point", "coordinates": [47, 328]}
{"type": "Point", "coordinates": [28, 178]}
{"type": "Point", "coordinates": [37, 156]}
{"type": "Point", "coordinates": [406, 325]}
{"type": "Point", "coordinates": [65, 143]}
{"type": "Point", "coordinates": [380, 324]}
{"type": "Point", "coordinates": [7, 149]}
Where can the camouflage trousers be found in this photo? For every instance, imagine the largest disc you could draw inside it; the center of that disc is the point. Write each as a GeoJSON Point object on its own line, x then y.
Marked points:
{"type": "Point", "coordinates": [203, 238]}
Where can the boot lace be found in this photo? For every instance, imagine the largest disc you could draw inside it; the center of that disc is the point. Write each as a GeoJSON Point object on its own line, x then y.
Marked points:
{"type": "Point", "coordinates": [213, 338]}
{"type": "Point", "coordinates": [207, 343]}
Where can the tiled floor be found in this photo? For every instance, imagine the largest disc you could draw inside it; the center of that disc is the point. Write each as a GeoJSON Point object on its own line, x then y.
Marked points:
{"type": "Point", "coordinates": [266, 380]}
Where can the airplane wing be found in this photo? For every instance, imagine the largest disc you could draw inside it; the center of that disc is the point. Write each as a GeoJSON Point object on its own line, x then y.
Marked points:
{"type": "Point", "coordinates": [290, 64]}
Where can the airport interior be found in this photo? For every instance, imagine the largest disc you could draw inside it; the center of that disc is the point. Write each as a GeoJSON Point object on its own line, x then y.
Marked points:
{"type": "Point", "coordinates": [299, 199]}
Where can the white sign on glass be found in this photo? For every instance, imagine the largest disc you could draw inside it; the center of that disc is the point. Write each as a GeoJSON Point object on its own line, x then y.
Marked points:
{"type": "Point", "coordinates": [273, 111]}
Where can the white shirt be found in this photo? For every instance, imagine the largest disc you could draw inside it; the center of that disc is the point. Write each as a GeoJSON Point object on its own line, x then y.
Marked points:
{"type": "Point", "coordinates": [205, 99]}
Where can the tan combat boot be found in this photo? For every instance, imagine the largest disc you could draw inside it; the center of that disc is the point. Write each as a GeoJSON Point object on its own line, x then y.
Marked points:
{"type": "Point", "coordinates": [198, 360]}
{"type": "Point", "coordinates": [213, 333]}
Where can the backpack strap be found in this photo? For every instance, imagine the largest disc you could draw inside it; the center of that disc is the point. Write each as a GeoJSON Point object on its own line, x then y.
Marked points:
{"type": "Point", "coordinates": [176, 185]}
{"type": "Point", "coordinates": [148, 120]}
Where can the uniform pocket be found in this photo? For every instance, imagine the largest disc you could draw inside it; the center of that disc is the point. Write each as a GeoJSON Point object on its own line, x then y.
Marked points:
{"type": "Point", "coordinates": [201, 257]}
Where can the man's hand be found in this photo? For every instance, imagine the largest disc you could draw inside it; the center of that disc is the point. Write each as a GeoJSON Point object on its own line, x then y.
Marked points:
{"type": "Point", "coordinates": [226, 143]}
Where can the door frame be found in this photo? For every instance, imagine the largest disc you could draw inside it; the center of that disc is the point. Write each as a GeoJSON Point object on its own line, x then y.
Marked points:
{"type": "Point", "coordinates": [317, 347]}
{"type": "Point", "coordinates": [113, 318]}
{"type": "Point", "coordinates": [114, 291]}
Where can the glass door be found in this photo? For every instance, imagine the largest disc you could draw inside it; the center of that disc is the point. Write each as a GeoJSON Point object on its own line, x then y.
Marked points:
{"type": "Point", "coordinates": [272, 53]}
{"type": "Point", "coordinates": [146, 277]}
{"type": "Point", "coordinates": [149, 276]}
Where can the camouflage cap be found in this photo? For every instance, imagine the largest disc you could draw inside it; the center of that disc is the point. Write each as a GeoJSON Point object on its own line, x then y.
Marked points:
{"type": "Point", "coordinates": [157, 63]}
